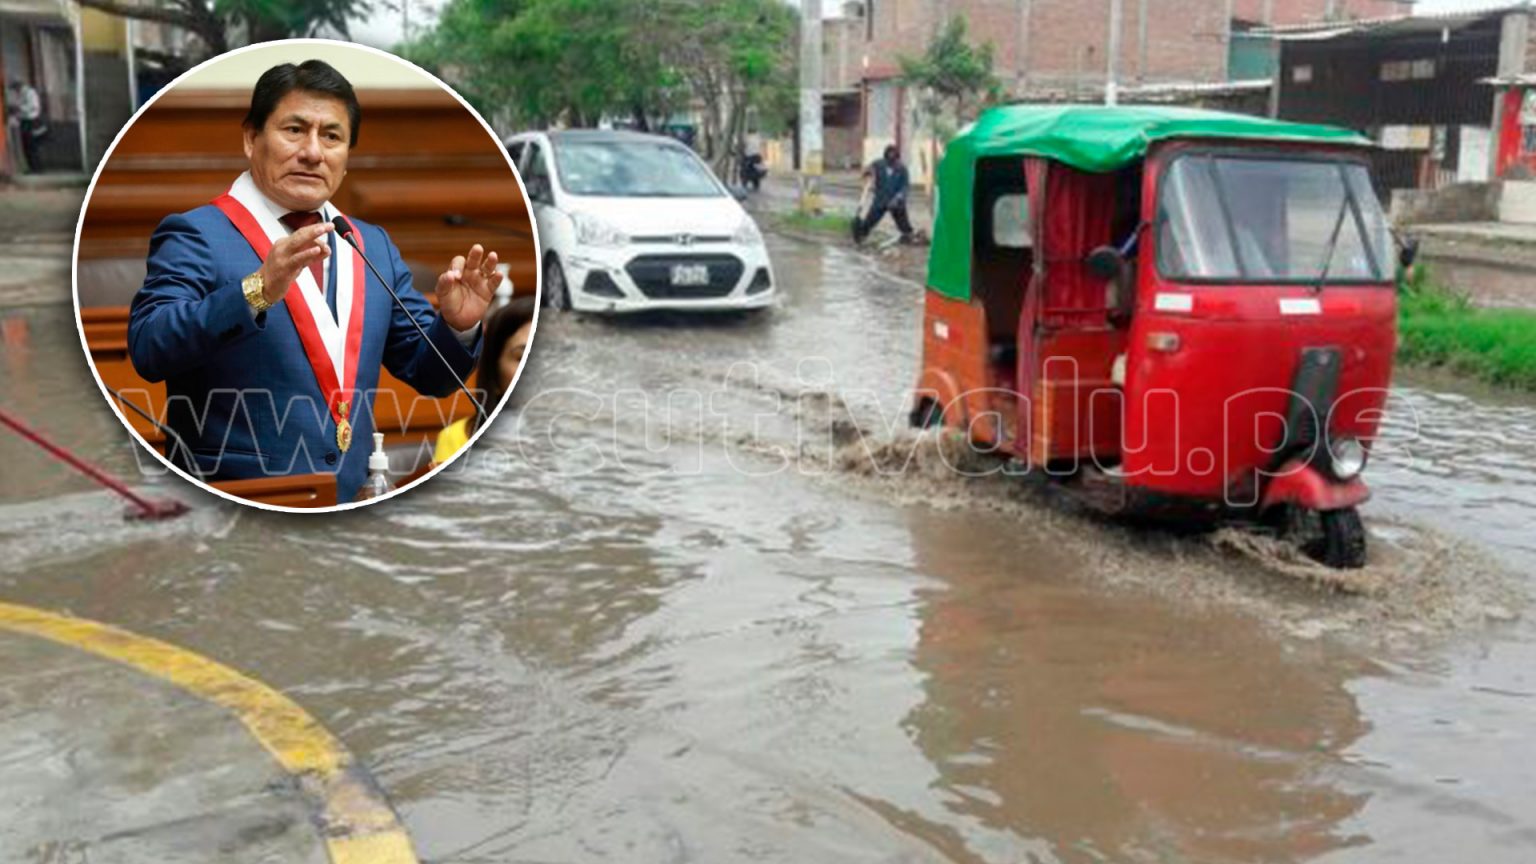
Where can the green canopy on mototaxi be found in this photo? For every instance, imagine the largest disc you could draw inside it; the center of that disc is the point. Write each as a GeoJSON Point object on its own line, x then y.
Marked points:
{"type": "Point", "coordinates": [1090, 138]}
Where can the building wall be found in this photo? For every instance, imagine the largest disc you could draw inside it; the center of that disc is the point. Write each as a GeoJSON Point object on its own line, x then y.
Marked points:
{"type": "Point", "coordinates": [109, 101]}
{"type": "Point", "coordinates": [1252, 57]}
{"type": "Point", "coordinates": [1283, 12]}
{"type": "Point", "coordinates": [893, 28]}
{"type": "Point", "coordinates": [841, 51]}
{"type": "Point", "coordinates": [1057, 44]}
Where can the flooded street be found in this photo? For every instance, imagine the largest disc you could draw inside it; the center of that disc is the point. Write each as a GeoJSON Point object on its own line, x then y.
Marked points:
{"type": "Point", "coordinates": [679, 608]}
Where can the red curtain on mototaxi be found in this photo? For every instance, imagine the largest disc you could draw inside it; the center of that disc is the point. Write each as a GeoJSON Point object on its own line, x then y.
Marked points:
{"type": "Point", "coordinates": [1065, 302]}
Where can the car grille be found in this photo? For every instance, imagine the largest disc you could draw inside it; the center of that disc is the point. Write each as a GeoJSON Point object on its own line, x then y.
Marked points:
{"type": "Point", "coordinates": [653, 275]}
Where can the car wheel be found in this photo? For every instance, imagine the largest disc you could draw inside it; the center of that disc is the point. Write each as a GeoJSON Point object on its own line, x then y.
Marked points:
{"type": "Point", "coordinates": [557, 294]}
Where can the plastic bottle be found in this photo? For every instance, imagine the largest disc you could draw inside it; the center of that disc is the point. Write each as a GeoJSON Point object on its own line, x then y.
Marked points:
{"type": "Point", "coordinates": [377, 484]}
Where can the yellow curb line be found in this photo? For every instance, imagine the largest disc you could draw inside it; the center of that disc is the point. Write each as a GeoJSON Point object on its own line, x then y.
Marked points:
{"type": "Point", "coordinates": [357, 823]}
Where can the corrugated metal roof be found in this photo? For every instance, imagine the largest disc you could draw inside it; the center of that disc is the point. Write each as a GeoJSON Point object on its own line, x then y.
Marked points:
{"type": "Point", "coordinates": [1429, 22]}
{"type": "Point", "coordinates": [1181, 88]}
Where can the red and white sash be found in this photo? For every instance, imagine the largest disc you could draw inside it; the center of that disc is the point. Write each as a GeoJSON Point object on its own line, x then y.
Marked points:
{"type": "Point", "coordinates": [332, 350]}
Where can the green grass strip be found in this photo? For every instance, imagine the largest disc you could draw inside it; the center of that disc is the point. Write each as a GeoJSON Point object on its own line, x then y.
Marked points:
{"type": "Point", "coordinates": [825, 223]}
{"type": "Point", "coordinates": [1437, 327]}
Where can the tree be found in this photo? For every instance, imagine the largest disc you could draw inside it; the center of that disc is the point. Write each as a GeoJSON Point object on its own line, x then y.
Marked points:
{"type": "Point", "coordinates": [955, 76]}
{"type": "Point", "coordinates": [540, 62]}
{"type": "Point", "coordinates": [734, 55]}
{"type": "Point", "coordinates": [213, 21]}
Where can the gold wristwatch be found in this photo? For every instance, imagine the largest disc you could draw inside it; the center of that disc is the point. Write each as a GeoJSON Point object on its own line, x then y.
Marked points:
{"type": "Point", "coordinates": [255, 289]}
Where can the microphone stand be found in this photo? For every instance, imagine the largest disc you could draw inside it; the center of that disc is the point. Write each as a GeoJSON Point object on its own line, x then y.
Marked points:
{"type": "Point", "coordinates": [344, 228]}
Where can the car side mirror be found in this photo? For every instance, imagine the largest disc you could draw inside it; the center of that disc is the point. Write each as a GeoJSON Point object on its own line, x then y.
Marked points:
{"type": "Point", "coordinates": [1106, 263]}
{"type": "Point", "coordinates": [1409, 252]}
{"type": "Point", "coordinates": [738, 192]}
{"type": "Point", "coordinates": [538, 189]}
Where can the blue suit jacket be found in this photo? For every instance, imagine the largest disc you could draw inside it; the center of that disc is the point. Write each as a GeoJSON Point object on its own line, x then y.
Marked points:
{"type": "Point", "coordinates": [241, 390]}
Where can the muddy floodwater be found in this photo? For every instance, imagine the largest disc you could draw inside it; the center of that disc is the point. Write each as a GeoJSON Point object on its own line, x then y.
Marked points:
{"type": "Point", "coordinates": [680, 607]}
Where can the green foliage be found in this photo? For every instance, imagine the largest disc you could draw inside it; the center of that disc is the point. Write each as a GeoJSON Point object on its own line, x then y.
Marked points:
{"type": "Point", "coordinates": [258, 20]}
{"type": "Point", "coordinates": [266, 20]}
{"type": "Point", "coordinates": [956, 75]}
{"type": "Point", "coordinates": [541, 62]}
{"type": "Point", "coordinates": [1437, 327]}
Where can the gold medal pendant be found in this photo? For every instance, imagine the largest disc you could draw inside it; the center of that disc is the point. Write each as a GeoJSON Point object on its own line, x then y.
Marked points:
{"type": "Point", "coordinates": [343, 426]}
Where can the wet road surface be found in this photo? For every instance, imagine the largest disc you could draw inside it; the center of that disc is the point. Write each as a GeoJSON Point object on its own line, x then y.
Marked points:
{"type": "Point", "coordinates": [678, 609]}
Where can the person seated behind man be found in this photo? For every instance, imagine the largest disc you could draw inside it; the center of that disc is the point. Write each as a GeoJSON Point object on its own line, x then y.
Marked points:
{"type": "Point", "coordinates": [891, 183]}
{"type": "Point", "coordinates": [507, 333]}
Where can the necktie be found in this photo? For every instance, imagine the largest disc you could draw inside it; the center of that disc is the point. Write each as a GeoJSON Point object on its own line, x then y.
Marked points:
{"type": "Point", "coordinates": [295, 221]}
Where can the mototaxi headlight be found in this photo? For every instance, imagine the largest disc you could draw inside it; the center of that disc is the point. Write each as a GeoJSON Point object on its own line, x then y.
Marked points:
{"type": "Point", "coordinates": [1346, 458]}
{"type": "Point", "coordinates": [592, 231]}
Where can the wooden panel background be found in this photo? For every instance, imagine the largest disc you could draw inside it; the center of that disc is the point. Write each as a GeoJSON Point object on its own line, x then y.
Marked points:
{"type": "Point", "coordinates": [420, 157]}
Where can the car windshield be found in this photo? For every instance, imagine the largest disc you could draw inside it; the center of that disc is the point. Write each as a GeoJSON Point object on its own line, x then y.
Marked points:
{"type": "Point", "coordinates": [630, 169]}
{"type": "Point", "coordinates": [1269, 220]}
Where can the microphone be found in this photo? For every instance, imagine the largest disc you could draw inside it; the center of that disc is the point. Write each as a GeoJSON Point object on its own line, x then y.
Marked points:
{"type": "Point", "coordinates": [344, 231]}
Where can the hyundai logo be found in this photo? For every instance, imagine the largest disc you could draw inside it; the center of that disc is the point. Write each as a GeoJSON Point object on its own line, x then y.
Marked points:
{"type": "Point", "coordinates": [685, 239]}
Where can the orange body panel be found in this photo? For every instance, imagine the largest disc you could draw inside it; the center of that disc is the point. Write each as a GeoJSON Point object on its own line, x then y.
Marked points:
{"type": "Point", "coordinates": [956, 374]}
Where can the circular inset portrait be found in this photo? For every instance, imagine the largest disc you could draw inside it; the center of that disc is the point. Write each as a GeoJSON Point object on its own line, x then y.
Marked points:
{"type": "Point", "coordinates": [305, 275]}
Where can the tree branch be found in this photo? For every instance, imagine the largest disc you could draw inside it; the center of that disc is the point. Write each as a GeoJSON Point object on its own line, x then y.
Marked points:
{"type": "Point", "coordinates": [193, 16]}
{"type": "Point", "coordinates": [160, 14]}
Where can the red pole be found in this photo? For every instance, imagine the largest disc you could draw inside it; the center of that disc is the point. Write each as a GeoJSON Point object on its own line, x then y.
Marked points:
{"type": "Point", "coordinates": [147, 508]}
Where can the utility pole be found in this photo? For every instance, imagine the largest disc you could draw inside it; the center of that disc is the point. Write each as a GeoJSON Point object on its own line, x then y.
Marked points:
{"type": "Point", "coordinates": [1141, 42]}
{"type": "Point", "coordinates": [1112, 72]}
{"type": "Point", "coordinates": [810, 106]}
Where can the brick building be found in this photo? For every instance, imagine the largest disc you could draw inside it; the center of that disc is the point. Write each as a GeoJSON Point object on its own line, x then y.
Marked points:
{"type": "Point", "coordinates": [1056, 50]}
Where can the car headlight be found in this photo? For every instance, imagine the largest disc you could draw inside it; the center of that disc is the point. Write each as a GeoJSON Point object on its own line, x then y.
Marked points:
{"type": "Point", "coordinates": [747, 233]}
{"type": "Point", "coordinates": [592, 231]}
{"type": "Point", "coordinates": [1346, 458]}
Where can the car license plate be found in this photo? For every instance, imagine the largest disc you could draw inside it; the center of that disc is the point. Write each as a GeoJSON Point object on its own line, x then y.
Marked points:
{"type": "Point", "coordinates": [690, 274]}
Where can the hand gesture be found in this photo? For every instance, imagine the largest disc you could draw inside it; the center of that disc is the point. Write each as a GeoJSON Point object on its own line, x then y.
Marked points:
{"type": "Point", "coordinates": [290, 256]}
{"type": "Point", "coordinates": [465, 291]}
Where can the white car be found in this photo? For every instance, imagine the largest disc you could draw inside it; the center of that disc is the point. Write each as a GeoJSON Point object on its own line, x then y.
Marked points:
{"type": "Point", "coordinates": [631, 222]}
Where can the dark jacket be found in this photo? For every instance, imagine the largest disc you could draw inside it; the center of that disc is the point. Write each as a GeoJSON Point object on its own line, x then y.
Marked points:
{"type": "Point", "coordinates": [241, 391]}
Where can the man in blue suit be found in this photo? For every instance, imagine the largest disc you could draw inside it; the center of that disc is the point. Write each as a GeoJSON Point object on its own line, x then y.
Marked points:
{"type": "Point", "coordinates": [268, 332]}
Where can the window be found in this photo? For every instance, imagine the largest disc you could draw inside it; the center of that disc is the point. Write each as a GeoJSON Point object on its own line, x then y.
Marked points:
{"type": "Point", "coordinates": [1394, 71]}
{"type": "Point", "coordinates": [1010, 222]}
{"type": "Point", "coordinates": [1270, 220]}
{"type": "Point", "coordinates": [634, 169]}
{"type": "Point", "coordinates": [515, 150]}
